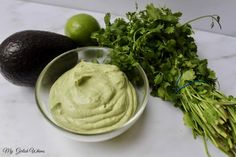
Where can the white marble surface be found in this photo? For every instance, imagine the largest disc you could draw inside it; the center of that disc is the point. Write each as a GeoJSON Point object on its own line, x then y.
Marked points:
{"type": "Point", "coordinates": [159, 132]}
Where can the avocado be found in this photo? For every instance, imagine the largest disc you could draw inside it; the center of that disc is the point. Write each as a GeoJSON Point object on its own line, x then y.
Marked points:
{"type": "Point", "coordinates": [24, 54]}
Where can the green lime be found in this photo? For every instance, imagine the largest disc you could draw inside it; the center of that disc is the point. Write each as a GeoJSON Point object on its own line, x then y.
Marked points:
{"type": "Point", "coordinates": [80, 27]}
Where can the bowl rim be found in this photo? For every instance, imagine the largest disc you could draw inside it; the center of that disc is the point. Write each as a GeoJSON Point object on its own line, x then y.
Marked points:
{"type": "Point", "coordinates": [133, 118]}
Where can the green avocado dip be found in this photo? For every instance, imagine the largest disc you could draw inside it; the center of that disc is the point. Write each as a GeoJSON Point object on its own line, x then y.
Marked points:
{"type": "Point", "coordinates": [92, 98]}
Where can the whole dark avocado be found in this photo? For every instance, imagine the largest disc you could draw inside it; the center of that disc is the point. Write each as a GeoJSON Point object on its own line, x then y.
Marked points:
{"type": "Point", "coordinates": [24, 54]}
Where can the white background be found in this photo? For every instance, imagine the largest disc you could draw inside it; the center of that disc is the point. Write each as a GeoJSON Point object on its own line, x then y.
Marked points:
{"type": "Point", "coordinates": [190, 8]}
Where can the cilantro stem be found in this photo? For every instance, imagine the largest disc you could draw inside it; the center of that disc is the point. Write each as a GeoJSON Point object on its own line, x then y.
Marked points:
{"type": "Point", "coordinates": [214, 17]}
{"type": "Point", "coordinates": [205, 145]}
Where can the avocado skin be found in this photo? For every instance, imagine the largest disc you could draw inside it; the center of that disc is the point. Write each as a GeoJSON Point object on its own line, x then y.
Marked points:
{"type": "Point", "coordinates": [23, 55]}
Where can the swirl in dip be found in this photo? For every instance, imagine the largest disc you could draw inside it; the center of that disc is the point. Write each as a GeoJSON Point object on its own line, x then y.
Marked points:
{"type": "Point", "coordinates": [92, 98]}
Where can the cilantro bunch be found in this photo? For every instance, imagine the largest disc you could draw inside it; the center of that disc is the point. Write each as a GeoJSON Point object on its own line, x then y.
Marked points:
{"type": "Point", "coordinates": [166, 50]}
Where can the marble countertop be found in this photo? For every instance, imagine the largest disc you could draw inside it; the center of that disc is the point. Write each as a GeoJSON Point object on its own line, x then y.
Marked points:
{"type": "Point", "coordinates": [159, 132]}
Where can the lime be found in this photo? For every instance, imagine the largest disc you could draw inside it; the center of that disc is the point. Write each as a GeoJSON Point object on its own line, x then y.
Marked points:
{"type": "Point", "coordinates": [80, 27]}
